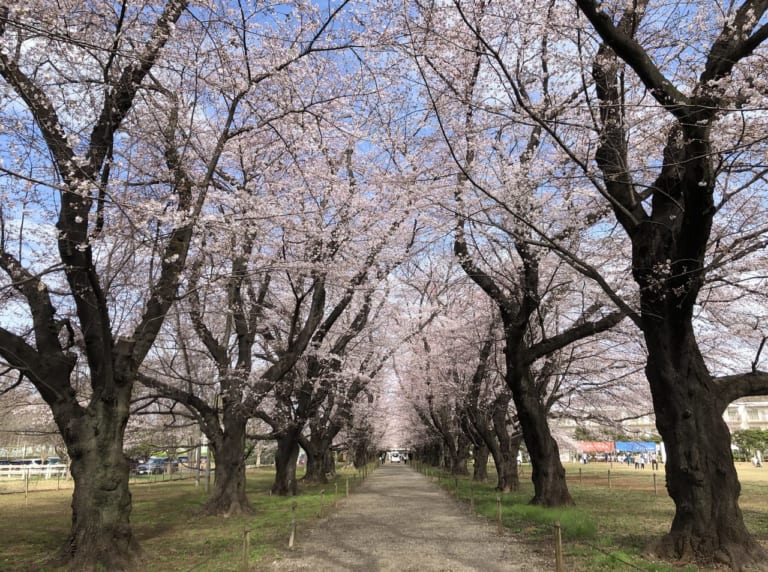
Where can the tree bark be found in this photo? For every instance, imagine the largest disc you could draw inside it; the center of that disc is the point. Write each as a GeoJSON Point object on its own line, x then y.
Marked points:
{"type": "Point", "coordinates": [329, 462]}
{"type": "Point", "coordinates": [460, 456]}
{"type": "Point", "coordinates": [315, 472]}
{"type": "Point", "coordinates": [317, 464]}
{"type": "Point", "coordinates": [508, 476]}
{"type": "Point", "coordinates": [670, 245]}
{"type": "Point", "coordinates": [701, 477]}
{"type": "Point", "coordinates": [480, 465]}
{"type": "Point", "coordinates": [507, 469]}
{"type": "Point", "coordinates": [431, 454]}
{"type": "Point", "coordinates": [548, 474]}
{"type": "Point", "coordinates": [506, 446]}
{"type": "Point", "coordinates": [361, 453]}
{"type": "Point", "coordinates": [101, 503]}
{"type": "Point", "coordinates": [285, 462]}
{"type": "Point", "coordinates": [228, 496]}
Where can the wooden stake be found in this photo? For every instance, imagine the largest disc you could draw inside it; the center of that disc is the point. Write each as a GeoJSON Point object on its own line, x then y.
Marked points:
{"type": "Point", "coordinates": [293, 525]}
{"type": "Point", "coordinates": [246, 548]}
{"type": "Point", "coordinates": [558, 547]}
{"type": "Point", "coordinates": [500, 526]}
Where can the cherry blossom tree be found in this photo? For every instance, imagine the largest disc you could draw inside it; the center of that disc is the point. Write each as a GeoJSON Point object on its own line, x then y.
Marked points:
{"type": "Point", "coordinates": [71, 80]}
{"type": "Point", "coordinates": [257, 234]}
{"type": "Point", "coordinates": [320, 389]}
{"type": "Point", "coordinates": [503, 205]}
{"type": "Point", "coordinates": [703, 170]}
{"type": "Point", "coordinates": [486, 416]}
{"type": "Point", "coordinates": [674, 130]}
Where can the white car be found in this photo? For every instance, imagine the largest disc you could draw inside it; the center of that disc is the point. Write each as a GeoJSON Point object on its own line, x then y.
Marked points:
{"type": "Point", "coordinates": [394, 457]}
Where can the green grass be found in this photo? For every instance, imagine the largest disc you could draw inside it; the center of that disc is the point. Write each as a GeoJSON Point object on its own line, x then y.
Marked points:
{"type": "Point", "coordinates": [614, 520]}
{"type": "Point", "coordinates": [167, 523]}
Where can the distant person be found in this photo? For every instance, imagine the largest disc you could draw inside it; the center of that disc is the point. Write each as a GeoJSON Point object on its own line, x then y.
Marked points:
{"type": "Point", "coordinates": [654, 462]}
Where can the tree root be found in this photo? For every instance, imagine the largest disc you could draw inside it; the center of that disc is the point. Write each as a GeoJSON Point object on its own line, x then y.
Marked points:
{"type": "Point", "coordinates": [680, 550]}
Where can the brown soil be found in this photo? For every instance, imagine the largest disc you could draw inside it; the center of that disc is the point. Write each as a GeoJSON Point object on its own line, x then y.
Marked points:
{"type": "Point", "coordinates": [399, 521]}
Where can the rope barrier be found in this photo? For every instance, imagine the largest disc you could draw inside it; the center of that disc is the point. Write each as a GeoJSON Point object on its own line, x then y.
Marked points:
{"type": "Point", "coordinates": [612, 556]}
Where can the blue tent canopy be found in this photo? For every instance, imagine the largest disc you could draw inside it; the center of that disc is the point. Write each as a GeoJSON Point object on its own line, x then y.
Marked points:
{"type": "Point", "coordinates": [635, 446]}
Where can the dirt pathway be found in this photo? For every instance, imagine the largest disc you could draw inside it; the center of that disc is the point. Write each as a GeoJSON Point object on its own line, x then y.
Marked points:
{"type": "Point", "coordinates": [398, 521]}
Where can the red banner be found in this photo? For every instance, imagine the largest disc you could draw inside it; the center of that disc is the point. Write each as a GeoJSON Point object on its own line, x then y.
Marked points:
{"type": "Point", "coordinates": [596, 446]}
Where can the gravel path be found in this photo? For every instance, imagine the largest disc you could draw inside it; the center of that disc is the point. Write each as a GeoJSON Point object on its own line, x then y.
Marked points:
{"type": "Point", "coordinates": [398, 521]}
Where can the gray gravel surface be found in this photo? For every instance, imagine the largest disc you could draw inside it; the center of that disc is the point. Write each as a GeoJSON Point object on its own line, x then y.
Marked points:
{"type": "Point", "coordinates": [398, 520]}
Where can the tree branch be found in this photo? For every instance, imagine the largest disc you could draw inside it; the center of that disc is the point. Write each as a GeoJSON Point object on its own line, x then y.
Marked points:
{"type": "Point", "coordinates": [729, 388]}
{"type": "Point", "coordinates": [633, 53]}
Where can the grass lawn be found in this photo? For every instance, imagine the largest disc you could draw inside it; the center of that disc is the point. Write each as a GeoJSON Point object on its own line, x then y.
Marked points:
{"type": "Point", "coordinates": [166, 521]}
{"type": "Point", "coordinates": [614, 521]}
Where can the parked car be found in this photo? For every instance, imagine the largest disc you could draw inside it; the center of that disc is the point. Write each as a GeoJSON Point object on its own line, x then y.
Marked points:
{"type": "Point", "coordinates": [157, 466]}
{"type": "Point", "coordinates": [394, 456]}
{"type": "Point", "coordinates": [27, 462]}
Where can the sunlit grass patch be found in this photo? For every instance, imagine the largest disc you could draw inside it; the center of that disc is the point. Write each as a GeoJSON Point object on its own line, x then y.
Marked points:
{"type": "Point", "coordinates": [619, 512]}
{"type": "Point", "coordinates": [167, 522]}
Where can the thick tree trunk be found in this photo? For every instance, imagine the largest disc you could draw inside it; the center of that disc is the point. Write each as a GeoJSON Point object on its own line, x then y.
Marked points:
{"type": "Point", "coordinates": [508, 476]}
{"type": "Point", "coordinates": [548, 474]}
{"type": "Point", "coordinates": [285, 463]}
{"type": "Point", "coordinates": [317, 463]}
{"type": "Point", "coordinates": [101, 536]}
{"type": "Point", "coordinates": [434, 454]}
{"type": "Point", "coordinates": [228, 496]}
{"type": "Point", "coordinates": [670, 245]}
{"type": "Point", "coordinates": [480, 468]}
{"type": "Point", "coordinates": [430, 454]}
{"type": "Point", "coordinates": [329, 463]}
{"type": "Point", "coordinates": [460, 456]}
{"type": "Point", "coordinates": [504, 451]}
{"type": "Point", "coordinates": [315, 467]}
{"type": "Point", "coordinates": [506, 467]}
{"type": "Point", "coordinates": [321, 462]}
{"type": "Point", "coordinates": [361, 454]}
{"type": "Point", "coordinates": [701, 477]}
{"type": "Point", "coordinates": [509, 446]}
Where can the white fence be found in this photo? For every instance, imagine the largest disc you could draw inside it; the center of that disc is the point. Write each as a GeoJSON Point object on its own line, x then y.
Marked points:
{"type": "Point", "coordinates": [21, 472]}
